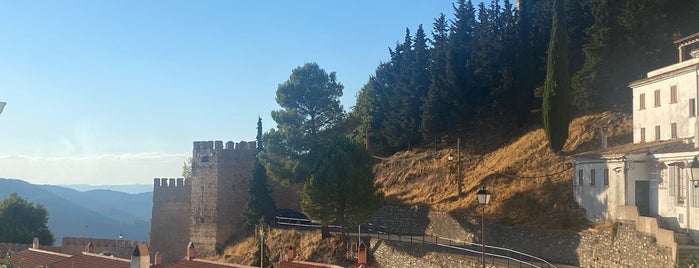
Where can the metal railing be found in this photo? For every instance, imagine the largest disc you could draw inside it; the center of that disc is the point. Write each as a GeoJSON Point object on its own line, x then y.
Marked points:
{"type": "Point", "coordinates": [495, 255]}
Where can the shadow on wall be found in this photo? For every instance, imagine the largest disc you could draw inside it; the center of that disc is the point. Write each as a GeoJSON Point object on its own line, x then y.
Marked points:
{"type": "Point", "coordinates": [535, 214]}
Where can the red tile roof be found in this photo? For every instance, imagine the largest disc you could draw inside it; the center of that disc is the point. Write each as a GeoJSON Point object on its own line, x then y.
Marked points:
{"type": "Point", "coordinates": [91, 260]}
{"type": "Point", "coordinates": [304, 264]}
{"type": "Point", "coordinates": [35, 257]}
{"type": "Point", "coordinates": [197, 263]}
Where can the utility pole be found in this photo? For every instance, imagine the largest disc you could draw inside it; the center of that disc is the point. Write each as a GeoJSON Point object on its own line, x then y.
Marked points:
{"type": "Point", "coordinates": [458, 166]}
{"type": "Point", "coordinates": [262, 230]}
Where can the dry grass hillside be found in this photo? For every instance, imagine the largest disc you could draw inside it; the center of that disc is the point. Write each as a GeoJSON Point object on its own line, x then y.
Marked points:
{"type": "Point", "coordinates": [530, 185]}
{"type": "Point", "coordinates": [309, 247]}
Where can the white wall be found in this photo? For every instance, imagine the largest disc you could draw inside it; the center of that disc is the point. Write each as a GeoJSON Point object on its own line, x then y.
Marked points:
{"type": "Point", "coordinates": [600, 201]}
{"type": "Point", "coordinates": [684, 76]}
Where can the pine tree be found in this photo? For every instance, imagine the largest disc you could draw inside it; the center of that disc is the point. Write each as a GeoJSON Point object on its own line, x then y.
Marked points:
{"type": "Point", "coordinates": [459, 70]}
{"type": "Point", "coordinates": [260, 204]}
{"type": "Point", "coordinates": [341, 188]}
{"type": "Point", "coordinates": [310, 112]}
{"type": "Point", "coordinates": [436, 108]}
{"type": "Point", "coordinates": [556, 106]}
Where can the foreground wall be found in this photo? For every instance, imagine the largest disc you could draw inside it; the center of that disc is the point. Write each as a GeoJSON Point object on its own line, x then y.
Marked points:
{"type": "Point", "coordinates": [618, 244]}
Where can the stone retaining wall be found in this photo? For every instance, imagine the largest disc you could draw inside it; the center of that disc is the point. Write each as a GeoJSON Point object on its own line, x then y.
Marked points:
{"type": "Point", "coordinates": [616, 245]}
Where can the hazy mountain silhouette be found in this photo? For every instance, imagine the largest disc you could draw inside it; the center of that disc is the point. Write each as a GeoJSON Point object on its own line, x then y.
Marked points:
{"type": "Point", "coordinates": [126, 188]}
{"type": "Point", "coordinates": [98, 213]}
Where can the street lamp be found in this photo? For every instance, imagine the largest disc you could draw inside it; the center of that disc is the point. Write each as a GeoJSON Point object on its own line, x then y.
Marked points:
{"type": "Point", "coordinates": [483, 199]}
{"type": "Point", "coordinates": [458, 166]}
{"type": "Point", "coordinates": [694, 172]}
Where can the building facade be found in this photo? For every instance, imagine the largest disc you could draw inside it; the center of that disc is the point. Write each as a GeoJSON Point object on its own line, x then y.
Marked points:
{"type": "Point", "coordinates": [651, 173]}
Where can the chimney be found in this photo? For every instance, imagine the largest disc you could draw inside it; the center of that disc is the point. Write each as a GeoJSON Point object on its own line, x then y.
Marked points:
{"type": "Point", "coordinates": [89, 248]}
{"type": "Point", "coordinates": [35, 243]}
{"type": "Point", "coordinates": [289, 254]}
{"type": "Point", "coordinates": [361, 254]}
{"type": "Point", "coordinates": [603, 138]}
{"type": "Point", "coordinates": [191, 253]}
{"type": "Point", "coordinates": [140, 258]}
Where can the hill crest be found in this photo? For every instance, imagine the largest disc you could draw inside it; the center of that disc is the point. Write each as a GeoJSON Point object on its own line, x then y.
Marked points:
{"type": "Point", "coordinates": [530, 185]}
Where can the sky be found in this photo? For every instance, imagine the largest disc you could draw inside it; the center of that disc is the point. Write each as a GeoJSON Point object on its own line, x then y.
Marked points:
{"type": "Point", "coordinates": [115, 92]}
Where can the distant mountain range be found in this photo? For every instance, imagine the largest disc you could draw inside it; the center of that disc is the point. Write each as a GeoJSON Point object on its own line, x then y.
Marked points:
{"type": "Point", "coordinates": [126, 188]}
{"type": "Point", "coordinates": [93, 213]}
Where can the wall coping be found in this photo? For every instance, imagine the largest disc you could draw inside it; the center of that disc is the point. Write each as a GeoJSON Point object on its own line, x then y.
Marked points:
{"type": "Point", "coordinates": [649, 225]}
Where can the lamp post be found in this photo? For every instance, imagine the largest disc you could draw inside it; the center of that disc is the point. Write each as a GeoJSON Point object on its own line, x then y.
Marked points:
{"type": "Point", "coordinates": [483, 200]}
{"type": "Point", "coordinates": [694, 172]}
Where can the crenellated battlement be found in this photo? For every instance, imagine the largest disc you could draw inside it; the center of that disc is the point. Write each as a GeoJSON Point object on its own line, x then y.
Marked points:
{"type": "Point", "coordinates": [200, 146]}
{"type": "Point", "coordinates": [169, 182]}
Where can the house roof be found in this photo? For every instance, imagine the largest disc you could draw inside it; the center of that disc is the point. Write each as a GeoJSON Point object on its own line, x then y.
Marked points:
{"type": "Point", "coordinates": [91, 260]}
{"type": "Point", "coordinates": [656, 147]}
{"type": "Point", "coordinates": [198, 263]}
{"type": "Point", "coordinates": [304, 264]}
{"type": "Point", "coordinates": [34, 257]}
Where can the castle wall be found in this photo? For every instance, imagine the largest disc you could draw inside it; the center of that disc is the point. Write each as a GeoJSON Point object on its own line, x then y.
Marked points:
{"type": "Point", "coordinates": [204, 213]}
{"type": "Point", "coordinates": [206, 210]}
{"type": "Point", "coordinates": [118, 247]}
{"type": "Point", "coordinates": [235, 167]}
{"type": "Point", "coordinates": [171, 218]}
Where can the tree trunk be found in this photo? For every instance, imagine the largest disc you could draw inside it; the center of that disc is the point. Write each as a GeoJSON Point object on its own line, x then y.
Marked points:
{"type": "Point", "coordinates": [324, 232]}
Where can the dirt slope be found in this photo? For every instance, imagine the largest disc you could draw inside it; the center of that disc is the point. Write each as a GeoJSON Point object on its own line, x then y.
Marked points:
{"type": "Point", "coordinates": [530, 186]}
{"type": "Point", "coordinates": [309, 247]}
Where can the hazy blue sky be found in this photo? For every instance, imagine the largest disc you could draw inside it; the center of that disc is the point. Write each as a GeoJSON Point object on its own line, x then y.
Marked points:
{"type": "Point", "coordinates": [114, 92]}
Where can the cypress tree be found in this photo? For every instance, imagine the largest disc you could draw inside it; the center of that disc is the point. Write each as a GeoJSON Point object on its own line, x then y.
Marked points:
{"type": "Point", "coordinates": [260, 204]}
{"type": "Point", "coordinates": [556, 103]}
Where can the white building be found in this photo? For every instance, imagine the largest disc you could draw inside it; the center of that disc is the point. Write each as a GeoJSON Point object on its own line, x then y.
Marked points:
{"type": "Point", "coordinates": [653, 172]}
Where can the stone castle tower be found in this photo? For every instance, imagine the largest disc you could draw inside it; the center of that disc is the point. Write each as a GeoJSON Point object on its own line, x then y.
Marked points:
{"type": "Point", "coordinates": [206, 210]}
{"type": "Point", "coordinates": [219, 189]}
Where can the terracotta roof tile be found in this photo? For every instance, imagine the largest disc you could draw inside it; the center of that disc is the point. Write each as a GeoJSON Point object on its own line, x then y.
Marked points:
{"type": "Point", "coordinates": [198, 263]}
{"type": "Point", "coordinates": [35, 257]}
{"type": "Point", "coordinates": [91, 260]}
{"type": "Point", "coordinates": [305, 264]}
{"type": "Point", "coordinates": [658, 147]}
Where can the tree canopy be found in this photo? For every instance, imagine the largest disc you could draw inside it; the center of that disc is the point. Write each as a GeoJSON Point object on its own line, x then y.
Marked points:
{"type": "Point", "coordinates": [310, 112]}
{"type": "Point", "coordinates": [488, 65]}
{"type": "Point", "coordinates": [260, 204]}
{"type": "Point", "coordinates": [341, 189]}
{"type": "Point", "coordinates": [21, 221]}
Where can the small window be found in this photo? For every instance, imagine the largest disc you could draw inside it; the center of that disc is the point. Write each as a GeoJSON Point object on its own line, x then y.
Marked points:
{"type": "Point", "coordinates": [673, 130]}
{"type": "Point", "coordinates": [643, 134]}
{"type": "Point", "coordinates": [204, 159]}
{"type": "Point", "coordinates": [692, 107]}
{"type": "Point", "coordinates": [606, 177]}
{"type": "Point", "coordinates": [657, 133]}
{"type": "Point", "coordinates": [657, 98]}
{"type": "Point", "coordinates": [642, 101]}
{"type": "Point", "coordinates": [592, 177]}
{"type": "Point", "coordinates": [672, 179]}
{"type": "Point", "coordinates": [580, 177]}
{"type": "Point", "coordinates": [673, 94]}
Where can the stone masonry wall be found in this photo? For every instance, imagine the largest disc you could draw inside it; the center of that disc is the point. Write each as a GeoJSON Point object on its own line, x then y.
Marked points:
{"type": "Point", "coordinates": [169, 232]}
{"type": "Point", "coordinates": [204, 201]}
{"type": "Point", "coordinates": [207, 209]}
{"type": "Point", "coordinates": [621, 246]}
{"type": "Point", "coordinates": [234, 171]}
{"type": "Point", "coordinates": [617, 245]}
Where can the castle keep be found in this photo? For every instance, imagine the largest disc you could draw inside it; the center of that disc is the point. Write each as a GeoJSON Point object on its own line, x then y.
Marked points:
{"type": "Point", "coordinates": [206, 209]}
